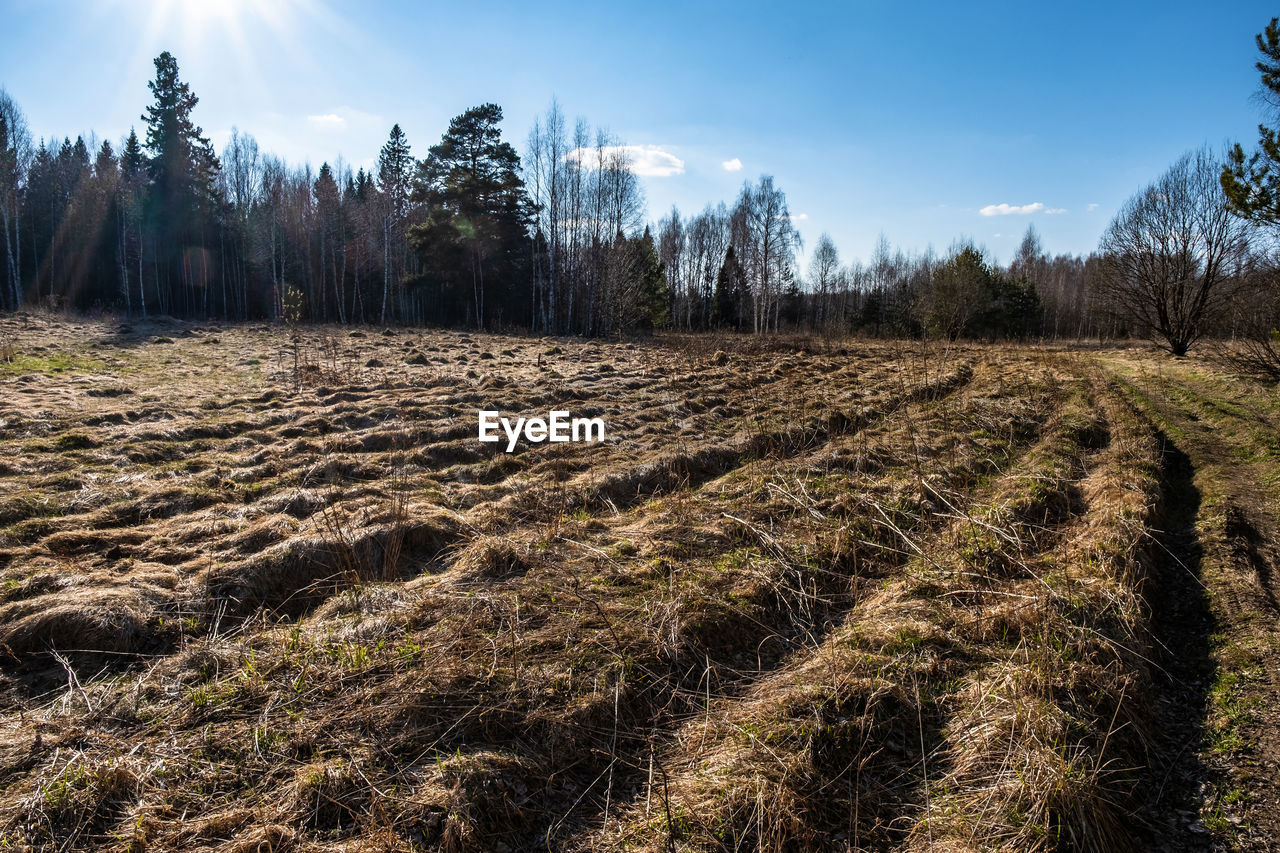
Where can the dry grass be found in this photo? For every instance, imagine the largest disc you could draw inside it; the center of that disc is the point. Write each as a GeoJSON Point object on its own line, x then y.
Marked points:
{"type": "Point", "coordinates": [812, 594]}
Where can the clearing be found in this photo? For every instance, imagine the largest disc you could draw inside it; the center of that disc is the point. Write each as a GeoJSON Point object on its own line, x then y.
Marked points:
{"type": "Point", "coordinates": [261, 593]}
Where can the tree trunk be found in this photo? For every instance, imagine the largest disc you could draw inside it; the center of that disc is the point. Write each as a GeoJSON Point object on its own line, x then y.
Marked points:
{"type": "Point", "coordinates": [340, 284]}
{"type": "Point", "coordinates": [8, 251]}
{"type": "Point", "coordinates": [142, 286]}
{"type": "Point", "coordinates": [386, 265]}
{"type": "Point", "coordinates": [123, 222]}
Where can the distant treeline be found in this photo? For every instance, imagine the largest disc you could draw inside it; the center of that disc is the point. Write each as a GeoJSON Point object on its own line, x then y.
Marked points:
{"type": "Point", "coordinates": [470, 234]}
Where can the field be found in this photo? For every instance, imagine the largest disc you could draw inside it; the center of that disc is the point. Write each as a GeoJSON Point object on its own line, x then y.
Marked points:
{"type": "Point", "coordinates": [267, 592]}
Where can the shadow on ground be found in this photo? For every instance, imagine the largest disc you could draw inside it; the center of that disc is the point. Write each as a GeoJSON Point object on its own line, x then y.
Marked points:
{"type": "Point", "coordinates": [1183, 623]}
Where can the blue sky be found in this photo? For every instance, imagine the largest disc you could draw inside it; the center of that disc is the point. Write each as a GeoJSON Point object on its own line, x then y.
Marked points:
{"type": "Point", "coordinates": [906, 119]}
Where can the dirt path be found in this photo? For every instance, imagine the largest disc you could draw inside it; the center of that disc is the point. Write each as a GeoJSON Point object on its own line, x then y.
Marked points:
{"type": "Point", "coordinates": [1216, 611]}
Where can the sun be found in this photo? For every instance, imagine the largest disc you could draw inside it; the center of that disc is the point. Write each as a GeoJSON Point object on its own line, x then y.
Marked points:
{"type": "Point", "coordinates": [229, 34]}
{"type": "Point", "coordinates": [199, 20]}
{"type": "Point", "coordinates": [203, 12]}
{"type": "Point", "coordinates": [215, 24]}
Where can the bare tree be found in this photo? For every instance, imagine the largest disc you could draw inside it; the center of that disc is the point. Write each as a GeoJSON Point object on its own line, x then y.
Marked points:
{"type": "Point", "coordinates": [707, 240]}
{"type": "Point", "coordinates": [673, 251]}
{"type": "Point", "coordinates": [1171, 254]}
{"type": "Point", "coordinates": [824, 271]}
{"type": "Point", "coordinates": [242, 185]}
{"type": "Point", "coordinates": [545, 167]}
{"type": "Point", "coordinates": [768, 240]}
{"type": "Point", "coordinates": [15, 160]}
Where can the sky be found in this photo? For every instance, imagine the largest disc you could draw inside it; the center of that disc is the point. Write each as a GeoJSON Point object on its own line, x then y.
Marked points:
{"type": "Point", "coordinates": [924, 122]}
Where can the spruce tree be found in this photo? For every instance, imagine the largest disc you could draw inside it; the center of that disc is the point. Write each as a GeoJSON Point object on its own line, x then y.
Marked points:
{"type": "Point", "coordinates": [182, 166]}
{"type": "Point", "coordinates": [655, 294]}
{"type": "Point", "coordinates": [182, 170]}
{"type": "Point", "coordinates": [395, 170]}
{"type": "Point", "coordinates": [132, 192]}
{"type": "Point", "coordinates": [726, 299]}
{"type": "Point", "coordinates": [328, 211]}
{"type": "Point", "coordinates": [42, 212]}
{"type": "Point", "coordinates": [131, 158]}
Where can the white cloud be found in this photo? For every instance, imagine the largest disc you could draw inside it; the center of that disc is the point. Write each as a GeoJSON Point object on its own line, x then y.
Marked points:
{"type": "Point", "coordinates": [734, 165]}
{"type": "Point", "coordinates": [344, 119]}
{"type": "Point", "coordinates": [649, 161]}
{"type": "Point", "coordinates": [328, 120]}
{"type": "Point", "coordinates": [1007, 209]}
{"type": "Point", "coordinates": [998, 234]}
{"type": "Point", "coordinates": [796, 217]}
{"type": "Point", "coordinates": [1092, 207]}
{"type": "Point", "coordinates": [1020, 209]}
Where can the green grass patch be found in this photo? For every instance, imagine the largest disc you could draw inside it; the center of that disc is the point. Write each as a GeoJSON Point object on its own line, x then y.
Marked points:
{"type": "Point", "coordinates": [23, 364]}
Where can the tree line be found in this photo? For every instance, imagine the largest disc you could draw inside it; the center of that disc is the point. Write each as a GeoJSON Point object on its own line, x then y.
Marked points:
{"type": "Point", "coordinates": [556, 241]}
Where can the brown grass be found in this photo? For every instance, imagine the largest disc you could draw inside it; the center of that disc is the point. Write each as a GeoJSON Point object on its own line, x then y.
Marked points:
{"type": "Point", "coordinates": [810, 594]}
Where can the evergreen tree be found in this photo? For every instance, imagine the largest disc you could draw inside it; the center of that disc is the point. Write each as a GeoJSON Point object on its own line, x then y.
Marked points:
{"type": "Point", "coordinates": [477, 214]}
{"type": "Point", "coordinates": [1252, 187]}
{"type": "Point", "coordinates": [1017, 311]}
{"type": "Point", "coordinates": [960, 290]}
{"type": "Point", "coordinates": [969, 297]}
{"type": "Point", "coordinates": [131, 158]}
{"type": "Point", "coordinates": [78, 164]}
{"type": "Point", "coordinates": [100, 199]}
{"type": "Point", "coordinates": [182, 170]}
{"type": "Point", "coordinates": [132, 202]}
{"type": "Point", "coordinates": [872, 313]}
{"type": "Point", "coordinates": [654, 309]}
{"type": "Point", "coordinates": [731, 286]}
{"type": "Point", "coordinates": [182, 163]}
{"type": "Point", "coordinates": [362, 185]}
{"type": "Point", "coordinates": [395, 171]}
{"type": "Point", "coordinates": [792, 308]}
{"type": "Point", "coordinates": [328, 214]}
{"type": "Point", "coordinates": [1252, 182]}
{"type": "Point", "coordinates": [44, 213]}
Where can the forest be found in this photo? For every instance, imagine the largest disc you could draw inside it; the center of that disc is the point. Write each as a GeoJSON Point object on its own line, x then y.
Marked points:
{"type": "Point", "coordinates": [557, 240]}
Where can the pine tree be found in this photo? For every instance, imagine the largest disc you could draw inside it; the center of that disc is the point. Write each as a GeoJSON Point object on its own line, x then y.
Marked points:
{"type": "Point", "coordinates": [960, 295]}
{"type": "Point", "coordinates": [1252, 182]}
{"type": "Point", "coordinates": [477, 213]}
